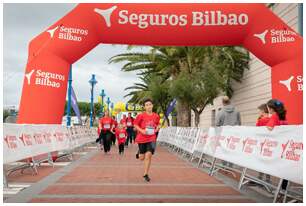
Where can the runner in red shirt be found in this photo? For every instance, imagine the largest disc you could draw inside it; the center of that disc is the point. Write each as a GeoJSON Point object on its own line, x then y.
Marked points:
{"type": "Point", "coordinates": [106, 125]}
{"type": "Point", "coordinates": [129, 128]}
{"type": "Point", "coordinates": [113, 138]}
{"type": "Point", "coordinates": [121, 135]}
{"type": "Point", "coordinates": [123, 121]}
{"type": "Point", "coordinates": [147, 124]}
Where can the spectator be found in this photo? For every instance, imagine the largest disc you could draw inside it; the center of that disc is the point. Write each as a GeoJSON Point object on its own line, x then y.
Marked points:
{"type": "Point", "coordinates": [113, 139]}
{"type": "Point", "coordinates": [277, 113]}
{"type": "Point", "coordinates": [130, 128]}
{"type": "Point", "coordinates": [227, 116]}
{"type": "Point", "coordinates": [262, 120]}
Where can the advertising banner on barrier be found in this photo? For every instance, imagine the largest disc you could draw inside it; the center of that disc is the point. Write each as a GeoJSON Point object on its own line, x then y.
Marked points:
{"type": "Point", "coordinates": [201, 140]}
{"type": "Point", "coordinates": [278, 152]}
{"type": "Point", "coordinates": [22, 141]}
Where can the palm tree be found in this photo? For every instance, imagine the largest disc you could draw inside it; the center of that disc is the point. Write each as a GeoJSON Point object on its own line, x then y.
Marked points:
{"type": "Point", "coordinates": [152, 86]}
{"type": "Point", "coordinates": [140, 91]}
{"type": "Point", "coordinates": [163, 61]}
{"type": "Point", "coordinates": [225, 64]}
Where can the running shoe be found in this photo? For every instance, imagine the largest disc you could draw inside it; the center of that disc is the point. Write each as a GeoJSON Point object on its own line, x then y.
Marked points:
{"type": "Point", "coordinates": [147, 178]}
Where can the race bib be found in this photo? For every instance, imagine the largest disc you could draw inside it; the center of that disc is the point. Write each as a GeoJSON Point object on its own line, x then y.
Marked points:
{"type": "Point", "coordinates": [129, 123]}
{"type": "Point", "coordinates": [107, 126]}
{"type": "Point", "coordinates": [150, 130]}
{"type": "Point", "coordinates": [121, 135]}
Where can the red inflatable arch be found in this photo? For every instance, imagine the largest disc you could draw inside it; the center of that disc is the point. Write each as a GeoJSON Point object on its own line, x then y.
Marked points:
{"type": "Point", "coordinates": [252, 25]}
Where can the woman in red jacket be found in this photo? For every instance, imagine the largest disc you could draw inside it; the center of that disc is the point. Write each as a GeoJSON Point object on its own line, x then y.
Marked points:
{"type": "Point", "coordinates": [121, 135]}
{"type": "Point", "coordinates": [147, 124]}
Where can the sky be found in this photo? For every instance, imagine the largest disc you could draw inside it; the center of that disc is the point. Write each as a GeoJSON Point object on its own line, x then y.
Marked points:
{"type": "Point", "coordinates": [22, 22]}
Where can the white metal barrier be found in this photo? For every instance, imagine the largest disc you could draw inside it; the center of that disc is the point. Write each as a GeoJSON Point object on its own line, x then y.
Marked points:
{"type": "Point", "coordinates": [256, 148]}
{"type": "Point", "coordinates": [35, 143]}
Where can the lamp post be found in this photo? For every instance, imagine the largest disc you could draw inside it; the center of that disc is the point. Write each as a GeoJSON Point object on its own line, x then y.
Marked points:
{"type": "Point", "coordinates": [102, 94]}
{"type": "Point", "coordinates": [108, 102]}
{"type": "Point", "coordinates": [69, 97]}
{"type": "Point", "coordinates": [92, 83]}
{"type": "Point", "coordinates": [112, 107]}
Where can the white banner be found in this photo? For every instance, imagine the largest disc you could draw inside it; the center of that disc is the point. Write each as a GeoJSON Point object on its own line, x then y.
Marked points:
{"type": "Point", "coordinates": [278, 152]}
{"type": "Point", "coordinates": [22, 141]}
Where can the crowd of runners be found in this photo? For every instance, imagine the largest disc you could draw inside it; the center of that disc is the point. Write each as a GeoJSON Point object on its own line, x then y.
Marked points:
{"type": "Point", "coordinates": [141, 130]}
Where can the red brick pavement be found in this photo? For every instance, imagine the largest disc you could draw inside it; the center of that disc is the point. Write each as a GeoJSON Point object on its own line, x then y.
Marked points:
{"type": "Point", "coordinates": [114, 178]}
{"type": "Point", "coordinates": [28, 177]}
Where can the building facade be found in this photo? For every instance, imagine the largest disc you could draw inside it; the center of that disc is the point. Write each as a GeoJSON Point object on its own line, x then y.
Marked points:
{"type": "Point", "coordinates": [255, 87]}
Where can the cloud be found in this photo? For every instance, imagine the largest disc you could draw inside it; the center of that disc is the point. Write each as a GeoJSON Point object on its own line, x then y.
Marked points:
{"type": "Point", "coordinates": [22, 22]}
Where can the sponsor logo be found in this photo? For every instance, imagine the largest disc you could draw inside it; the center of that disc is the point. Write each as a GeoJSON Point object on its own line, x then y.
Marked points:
{"type": "Point", "coordinates": [68, 33]}
{"type": "Point", "coordinates": [106, 14]}
{"type": "Point", "coordinates": [206, 18]}
{"type": "Point", "coordinates": [248, 145]}
{"type": "Point", "coordinates": [276, 36]}
{"type": "Point", "coordinates": [26, 139]}
{"type": "Point", "coordinates": [52, 31]}
{"type": "Point", "coordinates": [203, 139]}
{"type": "Point", "coordinates": [267, 146]}
{"type": "Point", "coordinates": [48, 79]}
{"type": "Point", "coordinates": [198, 18]}
{"type": "Point", "coordinates": [59, 136]}
{"type": "Point", "coordinates": [262, 36]}
{"type": "Point", "coordinates": [28, 76]}
{"type": "Point", "coordinates": [11, 141]}
{"type": "Point", "coordinates": [289, 150]}
{"type": "Point", "coordinates": [232, 142]}
{"type": "Point", "coordinates": [38, 138]}
{"type": "Point", "coordinates": [287, 83]}
{"type": "Point", "coordinates": [47, 137]}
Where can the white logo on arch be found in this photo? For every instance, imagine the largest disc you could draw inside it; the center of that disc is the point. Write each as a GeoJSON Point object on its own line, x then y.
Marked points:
{"type": "Point", "coordinates": [52, 31]}
{"type": "Point", "coordinates": [262, 36]}
{"type": "Point", "coordinates": [287, 83]}
{"type": "Point", "coordinates": [106, 14]}
{"type": "Point", "coordinates": [28, 76]}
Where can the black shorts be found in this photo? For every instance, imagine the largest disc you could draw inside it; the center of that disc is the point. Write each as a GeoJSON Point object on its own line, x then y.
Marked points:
{"type": "Point", "coordinates": [146, 147]}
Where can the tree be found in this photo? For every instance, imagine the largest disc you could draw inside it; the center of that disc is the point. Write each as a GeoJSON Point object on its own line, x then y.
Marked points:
{"type": "Point", "coordinates": [181, 66]}
{"type": "Point", "coordinates": [162, 61]}
{"type": "Point", "coordinates": [152, 86]}
{"type": "Point", "coordinates": [84, 108]}
{"type": "Point", "coordinates": [6, 113]}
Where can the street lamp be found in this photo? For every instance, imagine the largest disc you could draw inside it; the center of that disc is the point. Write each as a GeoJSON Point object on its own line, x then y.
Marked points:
{"type": "Point", "coordinates": [69, 96]}
{"type": "Point", "coordinates": [112, 106]}
{"type": "Point", "coordinates": [108, 102]}
{"type": "Point", "coordinates": [102, 94]}
{"type": "Point", "coordinates": [92, 83]}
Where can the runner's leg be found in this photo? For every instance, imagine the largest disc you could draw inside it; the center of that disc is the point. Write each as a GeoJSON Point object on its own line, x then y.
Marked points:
{"type": "Point", "coordinates": [147, 162]}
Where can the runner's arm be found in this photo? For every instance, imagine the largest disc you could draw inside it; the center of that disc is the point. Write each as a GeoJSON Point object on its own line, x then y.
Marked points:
{"type": "Point", "coordinates": [142, 131]}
